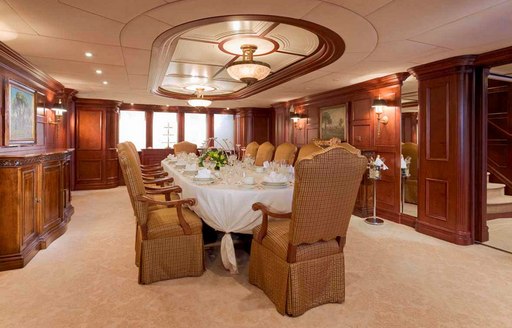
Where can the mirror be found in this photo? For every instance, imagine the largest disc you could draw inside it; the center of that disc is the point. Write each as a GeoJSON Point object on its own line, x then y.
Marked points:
{"type": "Point", "coordinates": [409, 147]}
{"type": "Point", "coordinates": [499, 158]}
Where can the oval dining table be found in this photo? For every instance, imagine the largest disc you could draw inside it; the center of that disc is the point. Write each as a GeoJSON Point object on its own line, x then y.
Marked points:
{"type": "Point", "coordinates": [228, 207]}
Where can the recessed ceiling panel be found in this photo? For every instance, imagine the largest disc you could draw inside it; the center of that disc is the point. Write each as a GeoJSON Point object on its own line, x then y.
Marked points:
{"type": "Point", "coordinates": [200, 53]}
{"type": "Point", "coordinates": [196, 53]}
{"type": "Point", "coordinates": [219, 31]}
{"type": "Point", "coordinates": [294, 39]}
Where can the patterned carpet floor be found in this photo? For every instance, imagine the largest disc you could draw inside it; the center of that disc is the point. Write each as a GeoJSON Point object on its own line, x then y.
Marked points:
{"type": "Point", "coordinates": [395, 277]}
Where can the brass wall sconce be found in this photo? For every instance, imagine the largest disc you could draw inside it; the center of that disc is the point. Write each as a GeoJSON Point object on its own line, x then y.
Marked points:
{"type": "Point", "coordinates": [59, 112]}
{"type": "Point", "coordinates": [296, 117]}
{"type": "Point", "coordinates": [379, 105]}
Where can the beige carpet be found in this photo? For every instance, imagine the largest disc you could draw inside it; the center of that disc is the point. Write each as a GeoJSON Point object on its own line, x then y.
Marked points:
{"type": "Point", "coordinates": [500, 234]}
{"type": "Point", "coordinates": [395, 277]}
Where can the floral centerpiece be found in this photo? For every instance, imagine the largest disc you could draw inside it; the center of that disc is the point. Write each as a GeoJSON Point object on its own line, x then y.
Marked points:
{"type": "Point", "coordinates": [214, 155]}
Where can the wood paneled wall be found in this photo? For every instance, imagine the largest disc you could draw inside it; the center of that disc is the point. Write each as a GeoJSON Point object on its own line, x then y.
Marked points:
{"type": "Point", "coordinates": [254, 124]}
{"type": "Point", "coordinates": [15, 68]}
{"type": "Point", "coordinates": [362, 129]}
{"type": "Point", "coordinates": [96, 136]}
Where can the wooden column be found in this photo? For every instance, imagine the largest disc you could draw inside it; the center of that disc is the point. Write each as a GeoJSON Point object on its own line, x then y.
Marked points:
{"type": "Point", "coordinates": [445, 190]}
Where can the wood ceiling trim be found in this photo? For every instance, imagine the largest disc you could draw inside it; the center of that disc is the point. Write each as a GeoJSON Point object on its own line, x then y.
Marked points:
{"type": "Point", "coordinates": [15, 63]}
{"type": "Point", "coordinates": [331, 47]}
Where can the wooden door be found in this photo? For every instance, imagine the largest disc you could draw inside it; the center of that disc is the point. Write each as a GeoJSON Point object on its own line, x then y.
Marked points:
{"type": "Point", "coordinates": [51, 198]}
{"type": "Point", "coordinates": [28, 204]}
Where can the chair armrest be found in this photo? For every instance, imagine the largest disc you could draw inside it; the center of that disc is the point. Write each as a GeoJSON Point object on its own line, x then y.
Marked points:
{"type": "Point", "coordinates": [264, 223]}
{"type": "Point", "coordinates": [151, 166]}
{"type": "Point", "coordinates": [259, 206]}
{"type": "Point", "coordinates": [174, 203]}
{"type": "Point", "coordinates": [154, 175]}
{"type": "Point", "coordinates": [159, 181]}
{"type": "Point", "coordinates": [162, 190]}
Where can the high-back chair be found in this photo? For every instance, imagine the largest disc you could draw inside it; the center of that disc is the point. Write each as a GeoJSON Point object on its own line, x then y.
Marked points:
{"type": "Point", "coordinates": [285, 152]}
{"type": "Point", "coordinates": [298, 261]}
{"type": "Point", "coordinates": [307, 150]}
{"type": "Point", "coordinates": [185, 147]}
{"type": "Point", "coordinates": [410, 149]}
{"type": "Point", "coordinates": [251, 149]}
{"type": "Point", "coordinates": [170, 240]}
{"type": "Point", "coordinates": [152, 174]}
{"type": "Point", "coordinates": [265, 153]}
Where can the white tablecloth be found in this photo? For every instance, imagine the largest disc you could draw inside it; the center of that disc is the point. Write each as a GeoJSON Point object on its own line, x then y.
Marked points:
{"type": "Point", "coordinates": [228, 208]}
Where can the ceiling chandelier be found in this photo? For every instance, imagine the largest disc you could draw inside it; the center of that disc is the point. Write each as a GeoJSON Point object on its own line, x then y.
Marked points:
{"type": "Point", "coordinates": [248, 70]}
{"type": "Point", "coordinates": [199, 101]}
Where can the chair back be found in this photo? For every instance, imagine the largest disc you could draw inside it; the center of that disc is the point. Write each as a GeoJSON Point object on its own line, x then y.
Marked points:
{"type": "Point", "coordinates": [185, 147]}
{"type": "Point", "coordinates": [326, 187]}
{"type": "Point", "coordinates": [285, 152]}
{"type": "Point", "coordinates": [410, 149]}
{"type": "Point", "coordinates": [133, 149]}
{"type": "Point", "coordinates": [265, 153]}
{"type": "Point", "coordinates": [134, 183]}
{"type": "Point", "coordinates": [252, 149]}
{"type": "Point", "coordinates": [307, 150]}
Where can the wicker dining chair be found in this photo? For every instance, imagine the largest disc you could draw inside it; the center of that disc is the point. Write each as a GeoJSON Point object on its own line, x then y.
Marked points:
{"type": "Point", "coordinates": [265, 153]}
{"type": "Point", "coordinates": [285, 152]}
{"type": "Point", "coordinates": [251, 149]}
{"type": "Point", "coordinates": [307, 150]}
{"type": "Point", "coordinates": [185, 147]}
{"type": "Point", "coordinates": [169, 239]}
{"type": "Point", "coordinates": [298, 260]}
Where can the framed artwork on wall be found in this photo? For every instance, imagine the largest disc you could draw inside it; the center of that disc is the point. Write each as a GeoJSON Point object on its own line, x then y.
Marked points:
{"type": "Point", "coordinates": [334, 122]}
{"type": "Point", "coordinates": [20, 114]}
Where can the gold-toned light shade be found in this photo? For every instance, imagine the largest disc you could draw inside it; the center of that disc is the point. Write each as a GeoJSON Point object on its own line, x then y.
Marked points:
{"type": "Point", "coordinates": [248, 70]}
{"type": "Point", "coordinates": [199, 102]}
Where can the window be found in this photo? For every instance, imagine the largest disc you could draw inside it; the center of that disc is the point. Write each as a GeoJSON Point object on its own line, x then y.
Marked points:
{"type": "Point", "coordinates": [224, 129]}
{"type": "Point", "coordinates": [132, 127]}
{"type": "Point", "coordinates": [165, 129]}
{"type": "Point", "coordinates": [195, 128]}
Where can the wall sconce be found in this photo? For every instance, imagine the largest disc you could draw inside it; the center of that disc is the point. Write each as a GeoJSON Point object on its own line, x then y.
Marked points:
{"type": "Point", "coordinates": [379, 105]}
{"type": "Point", "coordinates": [59, 112]}
{"type": "Point", "coordinates": [296, 117]}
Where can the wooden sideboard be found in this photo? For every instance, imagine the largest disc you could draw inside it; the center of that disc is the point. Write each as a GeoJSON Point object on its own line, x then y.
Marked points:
{"type": "Point", "coordinates": [35, 204]}
{"type": "Point", "coordinates": [154, 156]}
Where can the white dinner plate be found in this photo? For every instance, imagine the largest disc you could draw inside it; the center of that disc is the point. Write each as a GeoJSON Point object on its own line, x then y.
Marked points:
{"type": "Point", "coordinates": [268, 183]}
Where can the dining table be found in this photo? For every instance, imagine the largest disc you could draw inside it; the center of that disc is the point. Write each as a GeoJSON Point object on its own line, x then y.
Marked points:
{"type": "Point", "coordinates": [227, 207]}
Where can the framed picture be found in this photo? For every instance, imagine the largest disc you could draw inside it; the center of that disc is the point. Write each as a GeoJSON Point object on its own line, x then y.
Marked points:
{"type": "Point", "coordinates": [20, 114]}
{"type": "Point", "coordinates": [333, 122]}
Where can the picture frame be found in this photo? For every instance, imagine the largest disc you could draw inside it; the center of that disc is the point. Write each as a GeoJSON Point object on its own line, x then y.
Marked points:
{"type": "Point", "coordinates": [334, 122]}
{"type": "Point", "coordinates": [20, 114]}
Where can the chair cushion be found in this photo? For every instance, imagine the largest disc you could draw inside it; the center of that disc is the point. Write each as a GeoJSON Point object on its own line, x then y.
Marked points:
{"type": "Point", "coordinates": [277, 240]}
{"type": "Point", "coordinates": [164, 223]}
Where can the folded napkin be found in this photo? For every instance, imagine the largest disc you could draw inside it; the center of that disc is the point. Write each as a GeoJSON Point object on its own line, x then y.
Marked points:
{"type": "Point", "coordinates": [203, 174]}
{"type": "Point", "coordinates": [380, 162]}
{"type": "Point", "coordinates": [275, 177]}
{"type": "Point", "coordinates": [266, 164]}
{"type": "Point", "coordinates": [191, 167]}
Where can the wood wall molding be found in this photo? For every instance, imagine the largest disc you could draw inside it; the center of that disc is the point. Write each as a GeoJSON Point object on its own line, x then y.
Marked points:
{"type": "Point", "coordinates": [495, 58]}
{"type": "Point", "coordinates": [15, 63]}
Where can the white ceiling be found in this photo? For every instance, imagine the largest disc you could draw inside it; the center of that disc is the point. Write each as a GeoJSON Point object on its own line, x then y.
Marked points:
{"type": "Point", "coordinates": [381, 36]}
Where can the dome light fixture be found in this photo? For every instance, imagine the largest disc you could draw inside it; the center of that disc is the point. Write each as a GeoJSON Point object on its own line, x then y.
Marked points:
{"type": "Point", "coordinates": [199, 101]}
{"type": "Point", "coordinates": [248, 70]}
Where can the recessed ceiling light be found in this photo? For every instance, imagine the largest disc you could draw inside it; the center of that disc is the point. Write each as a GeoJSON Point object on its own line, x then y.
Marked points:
{"type": "Point", "coordinates": [167, 105]}
{"type": "Point", "coordinates": [88, 54]}
{"type": "Point", "coordinates": [105, 82]}
{"type": "Point", "coordinates": [227, 108]}
{"type": "Point", "coordinates": [131, 104]}
{"type": "Point", "coordinates": [99, 71]}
